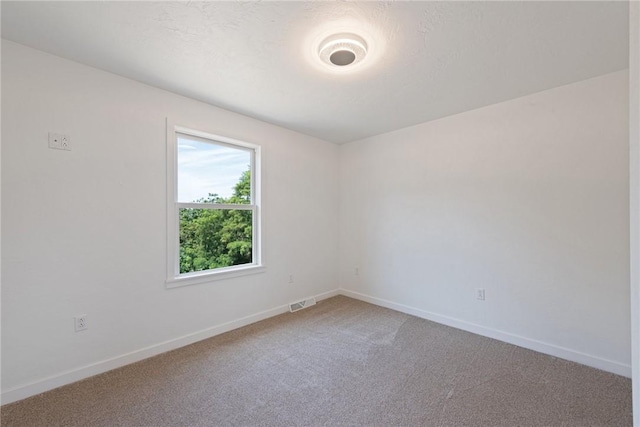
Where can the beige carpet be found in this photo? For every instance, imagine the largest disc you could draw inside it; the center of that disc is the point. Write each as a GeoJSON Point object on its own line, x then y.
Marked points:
{"type": "Point", "coordinates": [342, 362]}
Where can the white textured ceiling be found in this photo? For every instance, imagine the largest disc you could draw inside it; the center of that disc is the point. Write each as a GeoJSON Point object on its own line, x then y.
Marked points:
{"type": "Point", "coordinates": [429, 59]}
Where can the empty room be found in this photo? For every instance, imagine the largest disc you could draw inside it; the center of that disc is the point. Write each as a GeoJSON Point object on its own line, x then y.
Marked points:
{"type": "Point", "coordinates": [320, 213]}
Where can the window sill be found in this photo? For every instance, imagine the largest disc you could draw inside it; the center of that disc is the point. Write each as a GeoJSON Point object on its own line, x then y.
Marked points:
{"type": "Point", "coordinates": [211, 276]}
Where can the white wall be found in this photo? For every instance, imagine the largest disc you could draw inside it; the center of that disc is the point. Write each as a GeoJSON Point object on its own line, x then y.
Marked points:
{"type": "Point", "coordinates": [634, 197]}
{"type": "Point", "coordinates": [85, 231]}
{"type": "Point", "coordinates": [527, 199]}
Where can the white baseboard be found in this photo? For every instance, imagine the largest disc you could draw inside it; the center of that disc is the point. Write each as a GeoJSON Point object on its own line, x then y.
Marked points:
{"type": "Point", "coordinates": [539, 346]}
{"type": "Point", "coordinates": [68, 377]}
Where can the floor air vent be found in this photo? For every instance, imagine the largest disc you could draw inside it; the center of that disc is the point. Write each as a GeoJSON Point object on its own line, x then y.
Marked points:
{"type": "Point", "coordinates": [295, 306]}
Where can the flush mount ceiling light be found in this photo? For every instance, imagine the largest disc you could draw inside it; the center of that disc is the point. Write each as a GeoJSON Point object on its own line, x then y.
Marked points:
{"type": "Point", "coordinates": [344, 47]}
{"type": "Point", "coordinates": [342, 50]}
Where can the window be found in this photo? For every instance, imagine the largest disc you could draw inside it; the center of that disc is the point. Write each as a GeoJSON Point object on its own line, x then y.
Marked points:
{"type": "Point", "coordinates": [213, 207]}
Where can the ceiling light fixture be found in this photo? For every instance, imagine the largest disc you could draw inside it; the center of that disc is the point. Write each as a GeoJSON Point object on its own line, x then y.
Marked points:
{"type": "Point", "coordinates": [342, 50]}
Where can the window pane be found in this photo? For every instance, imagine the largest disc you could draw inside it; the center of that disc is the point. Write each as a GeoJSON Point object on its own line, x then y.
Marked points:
{"type": "Point", "coordinates": [212, 173]}
{"type": "Point", "coordinates": [214, 238]}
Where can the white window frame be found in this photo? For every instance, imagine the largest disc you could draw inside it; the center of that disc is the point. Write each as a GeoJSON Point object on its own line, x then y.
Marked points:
{"type": "Point", "coordinates": [174, 277]}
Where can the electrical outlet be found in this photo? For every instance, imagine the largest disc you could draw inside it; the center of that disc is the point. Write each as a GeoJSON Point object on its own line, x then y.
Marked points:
{"type": "Point", "coordinates": [65, 142]}
{"type": "Point", "coordinates": [291, 278]}
{"type": "Point", "coordinates": [356, 271]}
{"type": "Point", "coordinates": [81, 322]}
{"type": "Point", "coordinates": [58, 141]}
{"type": "Point", "coordinates": [480, 294]}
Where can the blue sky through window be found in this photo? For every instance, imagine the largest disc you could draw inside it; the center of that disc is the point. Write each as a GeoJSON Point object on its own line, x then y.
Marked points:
{"type": "Point", "coordinates": [205, 168]}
